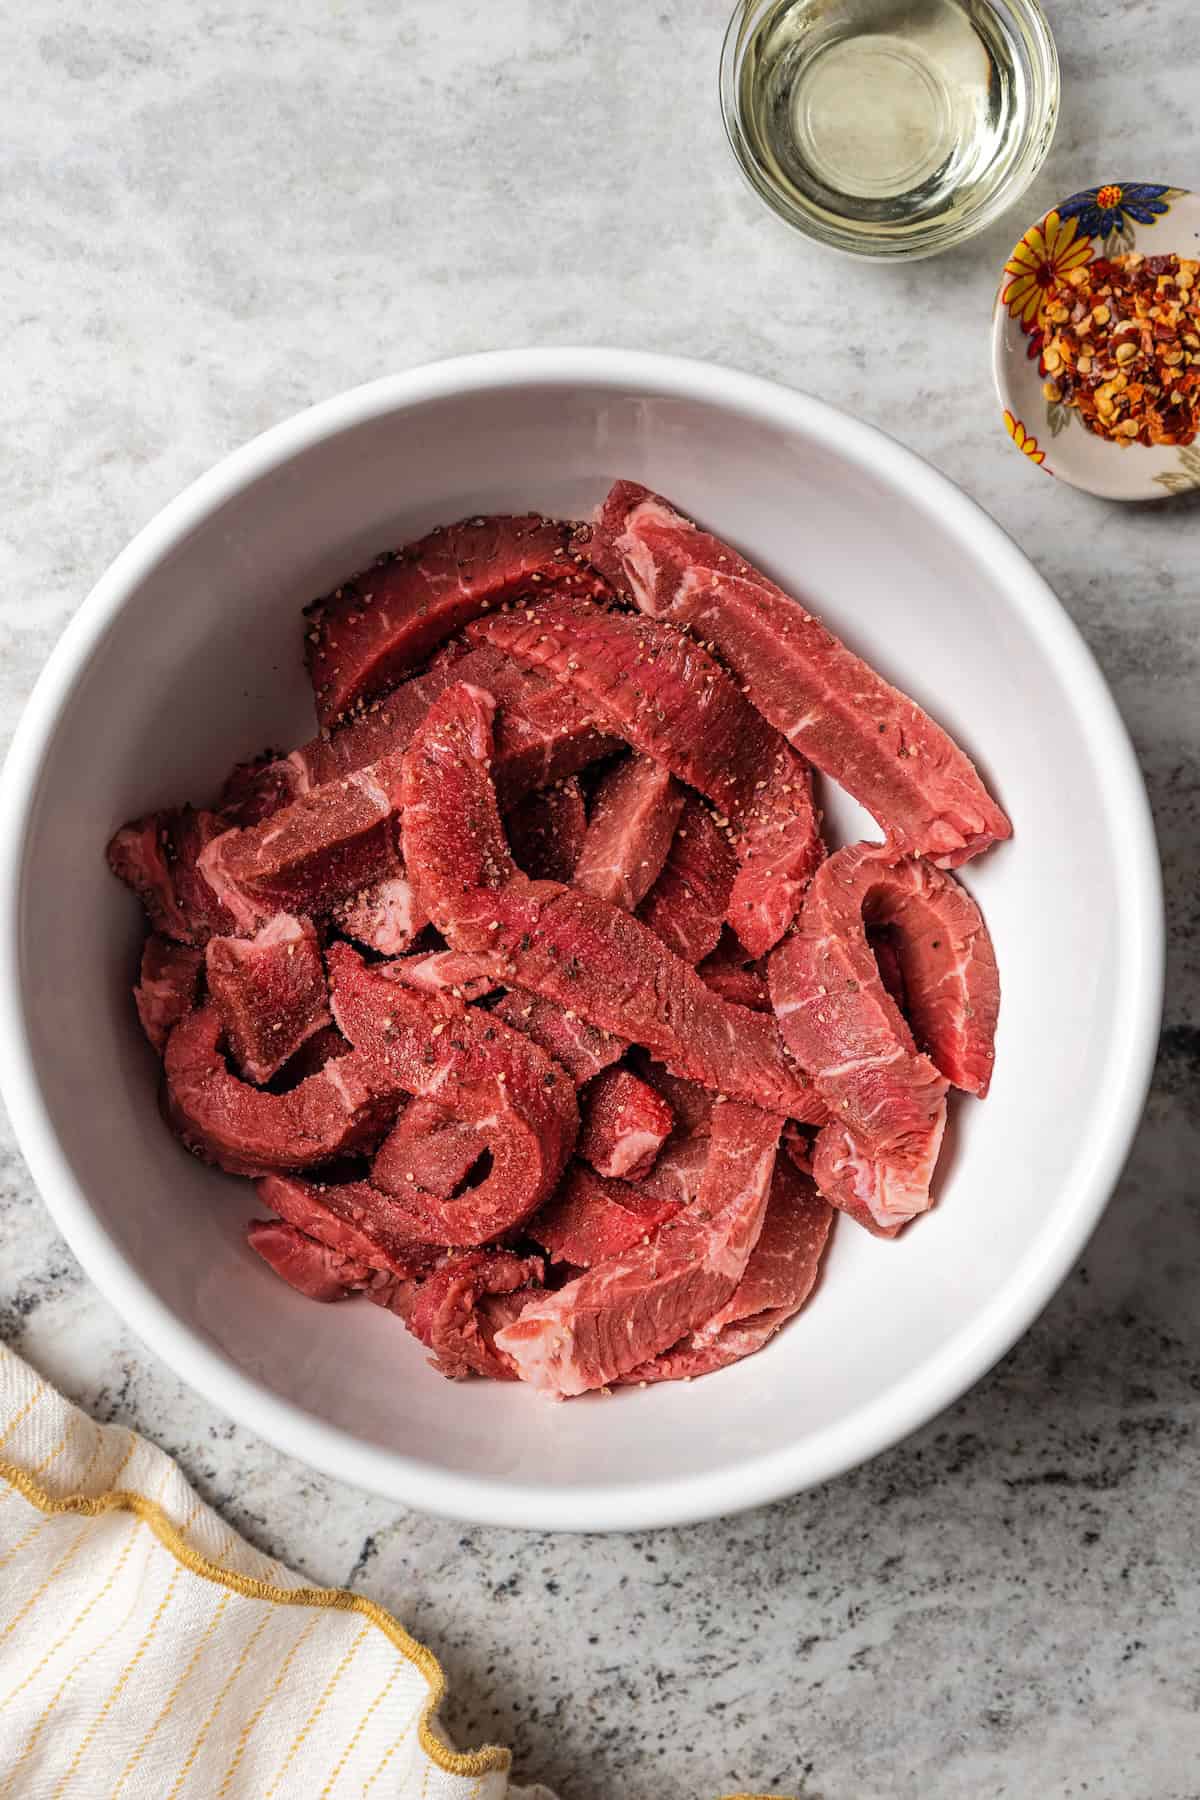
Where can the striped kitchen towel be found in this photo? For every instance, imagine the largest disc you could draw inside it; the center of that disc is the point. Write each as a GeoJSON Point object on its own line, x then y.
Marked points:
{"type": "Point", "coordinates": [148, 1653]}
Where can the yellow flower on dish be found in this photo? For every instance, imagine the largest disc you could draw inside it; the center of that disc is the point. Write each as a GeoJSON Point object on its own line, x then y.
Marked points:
{"type": "Point", "coordinates": [1027, 445]}
{"type": "Point", "coordinates": [1044, 255]}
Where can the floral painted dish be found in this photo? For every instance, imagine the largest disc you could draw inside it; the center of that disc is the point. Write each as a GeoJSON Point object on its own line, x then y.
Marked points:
{"type": "Point", "coordinates": [1100, 222]}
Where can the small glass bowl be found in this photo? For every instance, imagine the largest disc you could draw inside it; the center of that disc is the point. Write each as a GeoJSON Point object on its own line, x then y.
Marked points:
{"type": "Point", "coordinates": [922, 220]}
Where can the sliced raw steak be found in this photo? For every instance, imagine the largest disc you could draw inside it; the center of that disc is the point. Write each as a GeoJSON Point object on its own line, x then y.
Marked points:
{"type": "Point", "coordinates": [797, 1141]}
{"type": "Point", "coordinates": [886, 1097]}
{"type": "Point", "coordinates": [625, 1125]}
{"type": "Point", "coordinates": [324, 847]}
{"type": "Point", "coordinates": [632, 1307]}
{"type": "Point", "coordinates": [582, 1049]}
{"type": "Point", "coordinates": [323, 1047]}
{"type": "Point", "coordinates": [690, 1104]}
{"type": "Point", "coordinates": [372, 630]}
{"type": "Point", "coordinates": [738, 979]}
{"type": "Point", "coordinates": [882, 1190]}
{"type": "Point", "coordinates": [270, 992]}
{"type": "Point", "coordinates": [591, 1219]}
{"type": "Point", "coordinates": [334, 844]}
{"type": "Point", "coordinates": [254, 790]}
{"type": "Point", "coordinates": [352, 1218]}
{"type": "Point", "coordinates": [664, 693]}
{"type": "Point", "coordinates": [779, 1278]}
{"type": "Point", "coordinates": [887, 961]}
{"type": "Point", "coordinates": [586, 954]}
{"type": "Point", "coordinates": [252, 1132]}
{"type": "Point", "coordinates": [780, 849]}
{"type": "Point", "coordinates": [946, 965]}
{"type": "Point", "coordinates": [430, 1148]}
{"type": "Point", "coordinates": [450, 1313]}
{"type": "Point", "coordinates": [635, 811]}
{"type": "Point", "coordinates": [445, 972]}
{"type": "Point", "coordinates": [158, 858]}
{"type": "Point", "coordinates": [542, 734]}
{"type": "Point", "coordinates": [678, 1170]}
{"type": "Point", "coordinates": [546, 831]}
{"type": "Point", "coordinates": [826, 701]}
{"type": "Point", "coordinates": [687, 905]}
{"type": "Point", "coordinates": [311, 1268]}
{"type": "Point", "coordinates": [434, 1047]}
{"type": "Point", "coordinates": [679, 1166]}
{"type": "Point", "coordinates": [166, 989]}
{"type": "Point", "coordinates": [385, 916]}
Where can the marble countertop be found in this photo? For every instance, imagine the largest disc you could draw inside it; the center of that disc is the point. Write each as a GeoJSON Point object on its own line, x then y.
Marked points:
{"type": "Point", "coordinates": [215, 215]}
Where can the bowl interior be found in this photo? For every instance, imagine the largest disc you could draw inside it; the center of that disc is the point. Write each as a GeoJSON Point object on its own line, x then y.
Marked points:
{"type": "Point", "coordinates": [201, 665]}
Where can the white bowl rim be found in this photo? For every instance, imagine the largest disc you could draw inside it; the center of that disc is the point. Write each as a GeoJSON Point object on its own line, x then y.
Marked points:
{"type": "Point", "coordinates": [961, 1362]}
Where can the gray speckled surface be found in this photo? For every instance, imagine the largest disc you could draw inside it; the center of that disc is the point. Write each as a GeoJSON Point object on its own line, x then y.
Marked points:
{"type": "Point", "coordinates": [213, 215]}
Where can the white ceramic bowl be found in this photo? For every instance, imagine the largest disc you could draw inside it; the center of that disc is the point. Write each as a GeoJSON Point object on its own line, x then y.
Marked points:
{"type": "Point", "coordinates": [186, 655]}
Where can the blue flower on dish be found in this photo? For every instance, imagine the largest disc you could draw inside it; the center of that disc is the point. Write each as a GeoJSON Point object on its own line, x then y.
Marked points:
{"type": "Point", "coordinates": [1101, 211]}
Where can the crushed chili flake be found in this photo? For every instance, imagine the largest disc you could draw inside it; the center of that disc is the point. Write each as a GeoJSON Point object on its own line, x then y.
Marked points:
{"type": "Point", "coordinates": [1122, 348]}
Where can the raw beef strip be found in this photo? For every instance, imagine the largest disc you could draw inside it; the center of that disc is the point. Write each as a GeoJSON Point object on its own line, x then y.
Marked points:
{"type": "Point", "coordinates": [323, 1047]}
{"type": "Point", "coordinates": [886, 1097]}
{"type": "Point", "coordinates": [336, 841]}
{"type": "Point", "coordinates": [687, 904]}
{"type": "Point", "coordinates": [798, 1144]}
{"type": "Point", "coordinates": [679, 1166]}
{"type": "Point", "coordinates": [882, 1190]}
{"type": "Point", "coordinates": [270, 992]}
{"type": "Point", "coordinates": [430, 1148]}
{"type": "Point", "coordinates": [831, 705]}
{"type": "Point", "coordinates": [433, 1046]}
{"type": "Point", "coordinates": [373, 629]}
{"type": "Point", "coordinates": [729, 972]}
{"type": "Point", "coordinates": [449, 1311]}
{"type": "Point", "coordinates": [779, 1278]}
{"type": "Point", "coordinates": [137, 855]}
{"type": "Point", "coordinates": [546, 831]}
{"type": "Point", "coordinates": [691, 1105]}
{"type": "Point", "coordinates": [887, 961]}
{"type": "Point", "coordinates": [582, 1049]}
{"type": "Point", "coordinates": [352, 1218]}
{"type": "Point", "coordinates": [635, 811]}
{"type": "Point", "coordinates": [664, 693]}
{"type": "Point", "coordinates": [311, 1268]}
{"type": "Point", "coordinates": [158, 858]}
{"type": "Point", "coordinates": [386, 916]}
{"type": "Point", "coordinates": [779, 850]}
{"type": "Point", "coordinates": [678, 1170]}
{"type": "Point", "coordinates": [254, 790]}
{"type": "Point", "coordinates": [586, 954]}
{"type": "Point", "coordinates": [947, 967]}
{"type": "Point", "coordinates": [591, 1219]}
{"type": "Point", "coordinates": [445, 972]}
{"type": "Point", "coordinates": [250, 1131]}
{"type": "Point", "coordinates": [632, 1307]}
{"type": "Point", "coordinates": [625, 1125]}
{"type": "Point", "coordinates": [328, 845]}
{"type": "Point", "coordinates": [166, 989]}
{"type": "Point", "coordinates": [543, 732]}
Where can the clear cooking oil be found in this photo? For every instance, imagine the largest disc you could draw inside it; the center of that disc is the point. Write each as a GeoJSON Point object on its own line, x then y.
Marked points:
{"type": "Point", "coordinates": [890, 114]}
